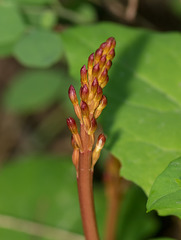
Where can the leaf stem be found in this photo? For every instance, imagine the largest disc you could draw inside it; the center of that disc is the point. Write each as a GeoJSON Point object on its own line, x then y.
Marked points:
{"type": "Point", "coordinates": [85, 189]}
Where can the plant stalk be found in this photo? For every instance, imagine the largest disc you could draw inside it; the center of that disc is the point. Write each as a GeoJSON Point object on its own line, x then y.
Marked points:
{"type": "Point", "coordinates": [85, 189]}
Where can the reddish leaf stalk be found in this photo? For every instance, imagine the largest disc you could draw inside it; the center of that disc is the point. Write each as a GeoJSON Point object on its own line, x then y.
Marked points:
{"type": "Point", "coordinates": [92, 104]}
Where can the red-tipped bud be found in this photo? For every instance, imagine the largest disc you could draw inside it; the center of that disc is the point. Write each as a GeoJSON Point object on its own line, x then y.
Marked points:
{"type": "Point", "coordinates": [85, 114]}
{"type": "Point", "coordinates": [110, 39]}
{"type": "Point", "coordinates": [103, 76]}
{"type": "Point", "coordinates": [83, 74]}
{"type": "Point", "coordinates": [98, 55]}
{"type": "Point", "coordinates": [72, 125]}
{"type": "Point", "coordinates": [113, 42]}
{"type": "Point", "coordinates": [108, 65]}
{"type": "Point", "coordinates": [107, 47]}
{"type": "Point", "coordinates": [90, 66]}
{"type": "Point", "coordinates": [111, 54]}
{"type": "Point", "coordinates": [93, 126]}
{"type": "Point", "coordinates": [99, 145]}
{"type": "Point", "coordinates": [84, 93]}
{"type": "Point", "coordinates": [102, 105]}
{"type": "Point", "coordinates": [101, 141]}
{"type": "Point", "coordinates": [72, 95]}
{"type": "Point", "coordinates": [105, 82]}
{"type": "Point", "coordinates": [93, 90]}
{"type": "Point", "coordinates": [103, 101]}
{"type": "Point", "coordinates": [91, 60]}
{"type": "Point", "coordinates": [103, 45]}
{"type": "Point", "coordinates": [98, 94]}
{"type": "Point", "coordinates": [95, 70]}
{"type": "Point", "coordinates": [84, 109]}
{"type": "Point", "coordinates": [94, 86]}
{"type": "Point", "coordinates": [102, 61]}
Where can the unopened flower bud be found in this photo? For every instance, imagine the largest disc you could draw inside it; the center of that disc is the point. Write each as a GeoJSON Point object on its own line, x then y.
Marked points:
{"type": "Point", "coordinates": [99, 145]}
{"type": "Point", "coordinates": [103, 45]}
{"type": "Point", "coordinates": [107, 47]}
{"type": "Point", "coordinates": [85, 115]}
{"type": "Point", "coordinates": [100, 141]}
{"type": "Point", "coordinates": [73, 128]}
{"type": "Point", "coordinates": [98, 55]}
{"type": "Point", "coordinates": [74, 100]}
{"type": "Point", "coordinates": [95, 70]}
{"type": "Point", "coordinates": [93, 89]}
{"type": "Point", "coordinates": [72, 95]}
{"type": "Point", "coordinates": [93, 126]}
{"type": "Point", "coordinates": [113, 42]}
{"type": "Point", "coordinates": [90, 67]}
{"type": "Point", "coordinates": [102, 105]}
{"type": "Point", "coordinates": [84, 109]}
{"type": "Point", "coordinates": [103, 76]}
{"type": "Point", "coordinates": [105, 82]}
{"type": "Point", "coordinates": [98, 94]}
{"type": "Point", "coordinates": [97, 98]}
{"type": "Point", "coordinates": [84, 93]}
{"type": "Point", "coordinates": [108, 65]}
{"type": "Point", "coordinates": [83, 74]}
{"type": "Point", "coordinates": [102, 61]}
{"type": "Point", "coordinates": [111, 54]}
{"type": "Point", "coordinates": [72, 125]}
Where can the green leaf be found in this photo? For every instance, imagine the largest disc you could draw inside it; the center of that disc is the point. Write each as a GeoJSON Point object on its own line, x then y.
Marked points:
{"type": "Point", "coordinates": [11, 25]}
{"type": "Point", "coordinates": [143, 118]}
{"type": "Point", "coordinates": [39, 48]}
{"type": "Point", "coordinates": [34, 90]}
{"type": "Point", "coordinates": [165, 194]}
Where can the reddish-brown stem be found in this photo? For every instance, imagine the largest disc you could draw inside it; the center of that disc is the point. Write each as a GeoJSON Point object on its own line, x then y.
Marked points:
{"type": "Point", "coordinates": [114, 194]}
{"type": "Point", "coordinates": [112, 218]}
{"type": "Point", "coordinates": [85, 189]}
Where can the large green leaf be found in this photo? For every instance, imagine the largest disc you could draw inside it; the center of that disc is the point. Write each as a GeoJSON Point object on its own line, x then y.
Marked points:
{"type": "Point", "coordinates": [165, 194]}
{"type": "Point", "coordinates": [143, 118]}
{"type": "Point", "coordinates": [39, 48]}
{"type": "Point", "coordinates": [11, 26]}
{"type": "Point", "coordinates": [42, 189]}
{"type": "Point", "coordinates": [34, 90]}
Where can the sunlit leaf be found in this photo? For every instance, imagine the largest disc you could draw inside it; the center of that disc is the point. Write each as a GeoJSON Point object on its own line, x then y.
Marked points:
{"type": "Point", "coordinates": [143, 118]}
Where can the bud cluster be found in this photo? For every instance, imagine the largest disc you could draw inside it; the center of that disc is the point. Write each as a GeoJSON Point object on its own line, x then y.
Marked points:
{"type": "Point", "coordinates": [93, 79]}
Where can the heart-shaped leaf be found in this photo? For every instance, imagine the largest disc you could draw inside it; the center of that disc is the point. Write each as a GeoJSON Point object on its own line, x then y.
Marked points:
{"type": "Point", "coordinates": [165, 195]}
{"type": "Point", "coordinates": [143, 117]}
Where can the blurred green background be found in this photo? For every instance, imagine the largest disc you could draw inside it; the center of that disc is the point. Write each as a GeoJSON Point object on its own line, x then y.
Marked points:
{"type": "Point", "coordinates": [38, 193]}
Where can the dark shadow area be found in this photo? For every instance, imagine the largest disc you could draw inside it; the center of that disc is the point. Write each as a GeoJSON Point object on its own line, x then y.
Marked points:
{"type": "Point", "coordinates": [124, 66]}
